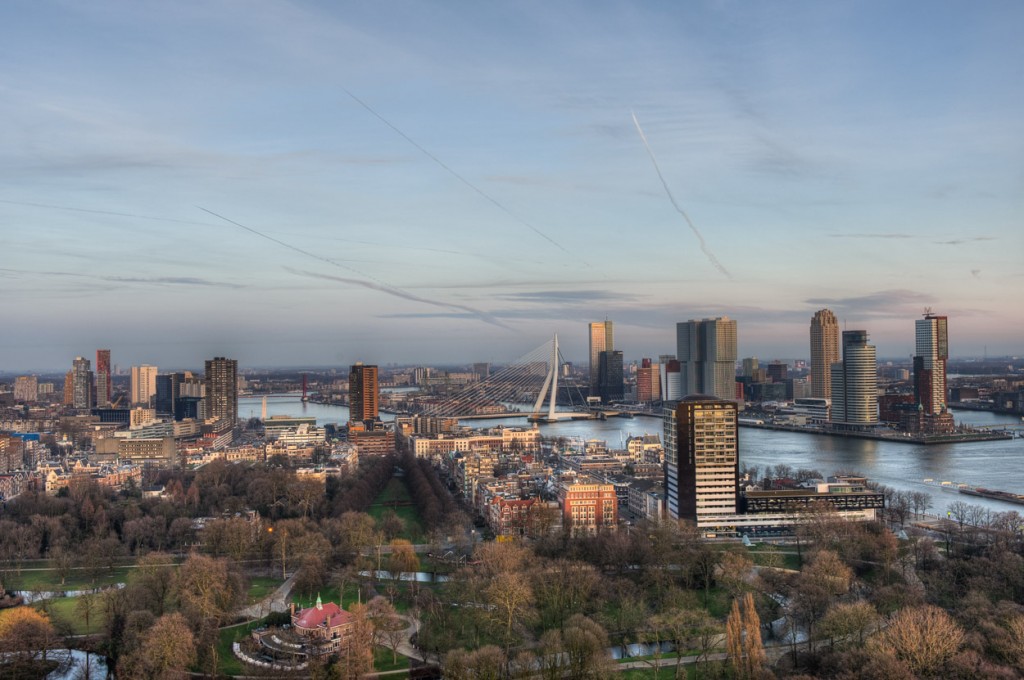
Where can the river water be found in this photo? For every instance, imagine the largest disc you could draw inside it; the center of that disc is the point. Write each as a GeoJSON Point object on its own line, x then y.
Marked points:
{"type": "Point", "coordinates": [994, 465]}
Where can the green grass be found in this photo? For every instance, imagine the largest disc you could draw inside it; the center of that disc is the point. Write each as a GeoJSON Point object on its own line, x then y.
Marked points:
{"type": "Point", "coordinates": [719, 602]}
{"type": "Point", "coordinates": [396, 490]}
{"type": "Point", "coordinates": [78, 579]}
{"type": "Point", "coordinates": [784, 559]}
{"type": "Point", "coordinates": [262, 586]}
{"type": "Point", "coordinates": [329, 594]}
{"type": "Point", "coordinates": [228, 663]}
{"type": "Point", "coordinates": [63, 610]}
{"type": "Point", "coordinates": [382, 661]}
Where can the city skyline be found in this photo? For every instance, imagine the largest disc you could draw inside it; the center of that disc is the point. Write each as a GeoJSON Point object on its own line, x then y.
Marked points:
{"type": "Point", "coordinates": [455, 184]}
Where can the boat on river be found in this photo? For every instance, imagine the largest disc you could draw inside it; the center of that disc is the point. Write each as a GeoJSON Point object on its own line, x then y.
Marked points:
{"type": "Point", "coordinates": [993, 494]}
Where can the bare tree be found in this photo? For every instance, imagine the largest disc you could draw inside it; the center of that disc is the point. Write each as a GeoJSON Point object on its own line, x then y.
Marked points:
{"type": "Point", "coordinates": [743, 639]}
{"type": "Point", "coordinates": [925, 638]}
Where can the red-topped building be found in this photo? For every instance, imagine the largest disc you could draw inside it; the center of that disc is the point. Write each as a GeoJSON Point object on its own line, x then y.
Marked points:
{"type": "Point", "coordinates": [327, 626]}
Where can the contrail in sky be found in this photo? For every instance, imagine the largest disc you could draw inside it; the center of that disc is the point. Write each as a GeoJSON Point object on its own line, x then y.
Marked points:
{"type": "Point", "coordinates": [366, 281]}
{"type": "Point", "coordinates": [459, 177]}
{"type": "Point", "coordinates": [703, 246]}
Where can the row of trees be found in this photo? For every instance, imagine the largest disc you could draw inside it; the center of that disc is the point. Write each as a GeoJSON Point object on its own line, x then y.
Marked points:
{"type": "Point", "coordinates": [91, 525]}
{"type": "Point", "coordinates": [434, 502]}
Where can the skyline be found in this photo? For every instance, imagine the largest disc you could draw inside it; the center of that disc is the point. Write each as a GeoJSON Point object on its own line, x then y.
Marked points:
{"type": "Point", "coordinates": [449, 184]}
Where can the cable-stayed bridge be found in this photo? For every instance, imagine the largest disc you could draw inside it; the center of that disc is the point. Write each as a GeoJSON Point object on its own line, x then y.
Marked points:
{"type": "Point", "coordinates": [533, 386]}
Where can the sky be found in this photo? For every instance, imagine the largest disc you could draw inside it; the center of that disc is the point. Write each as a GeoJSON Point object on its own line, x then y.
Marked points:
{"type": "Point", "coordinates": [316, 183]}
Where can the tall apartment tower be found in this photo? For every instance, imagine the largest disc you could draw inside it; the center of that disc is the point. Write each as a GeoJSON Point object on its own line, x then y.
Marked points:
{"type": "Point", "coordinates": [81, 383]}
{"type": "Point", "coordinates": [26, 388]}
{"type": "Point", "coordinates": [701, 458]}
{"type": "Point", "coordinates": [143, 384]}
{"type": "Point", "coordinates": [363, 392]}
{"type": "Point", "coordinates": [706, 350]}
{"type": "Point", "coordinates": [932, 344]}
{"type": "Point", "coordinates": [222, 389]}
{"type": "Point", "coordinates": [104, 382]}
{"type": "Point", "coordinates": [824, 352]}
{"type": "Point", "coordinates": [602, 339]}
{"type": "Point", "coordinates": [855, 382]}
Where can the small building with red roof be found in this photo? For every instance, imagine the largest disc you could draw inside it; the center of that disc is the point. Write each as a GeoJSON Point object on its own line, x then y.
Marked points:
{"type": "Point", "coordinates": [326, 626]}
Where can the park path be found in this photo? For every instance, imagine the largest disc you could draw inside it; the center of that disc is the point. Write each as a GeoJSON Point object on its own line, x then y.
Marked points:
{"type": "Point", "coordinates": [277, 601]}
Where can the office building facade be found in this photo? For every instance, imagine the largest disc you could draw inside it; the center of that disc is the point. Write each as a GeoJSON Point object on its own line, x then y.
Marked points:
{"type": "Point", "coordinates": [855, 383]}
{"type": "Point", "coordinates": [824, 352]}
{"type": "Point", "coordinates": [706, 350]}
{"type": "Point", "coordinates": [602, 339]}
{"type": "Point", "coordinates": [610, 384]}
{"type": "Point", "coordinates": [701, 458]}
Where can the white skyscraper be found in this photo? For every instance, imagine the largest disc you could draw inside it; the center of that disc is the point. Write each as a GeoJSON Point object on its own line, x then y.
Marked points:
{"type": "Point", "coordinates": [143, 384]}
{"type": "Point", "coordinates": [855, 382]}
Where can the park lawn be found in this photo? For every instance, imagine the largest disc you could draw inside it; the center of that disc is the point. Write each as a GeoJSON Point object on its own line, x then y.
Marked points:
{"type": "Point", "coordinates": [328, 593]}
{"type": "Point", "coordinates": [78, 579]}
{"type": "Point", "coordinates": [382, 661]}
{"type": "Point", "coordinates": [228, 663]}
{"type": "Point", "coordinates": [63, 610]}
{"type": "Point", "coordinates": [786, 560]}
{"type": "Point", "coordinates": [398, 491]}
{"type": "Point", "coordinates": [262, 586]}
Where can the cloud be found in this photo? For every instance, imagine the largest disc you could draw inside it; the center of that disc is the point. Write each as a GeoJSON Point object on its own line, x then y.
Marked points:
{"type": "Point", "coordinates": [463, 311]}
{"type": "Point", "coordinates": [566, 296]}
{"type": "Point", "coordinates": [870, 235]}
{"type": "Point", "coordinates": [156, 280]}
{"type": "Point", "coordinates": [958, 241]}
{"type": "Point", "coordinates": [173, 280]}
{"type": "Point", "coordinates": [893, 302]}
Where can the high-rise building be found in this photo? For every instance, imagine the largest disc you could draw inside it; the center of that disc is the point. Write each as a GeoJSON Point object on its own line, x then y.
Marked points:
{"type": "Point", "coordinates": [168, 389]}
{"type": "Point", "coordinates": [222, 389]}
{"type": "Point", "coordinates": [81, 383]}
{"type": "Point", "coordinates": [701, 458]}
{"type": "Point", "coordinates": [932, 344]}
{"type": "Point", "coordinates": [706, 350]}
{"type": "Point", "coordinates": [824, 352]}
{"type": "Point", "coordinates": [610, 384]}
{"type": "Point", "coordinates": [363, 392]}
{"type": "Point", "coordinates": [602, 339]}
{"type": "Point", "coordinates": [778, 371]}
{"type": "Point", "coordinates": [671, 387]}
{"type": "Point", "coordinates": [648, 382]}
{"type": "Point", "coordinates": [855, 382]}
{"type": "Point", "coordinates": [750, 364]}
{"type": "Point", "coordinates": [143, 384]}
{"type": "Point", "coordinates": [69, 389]}
{"type": "Point", "coordinates": [26, 388]}
{"type": "Point", "coordinates": [104, 382]}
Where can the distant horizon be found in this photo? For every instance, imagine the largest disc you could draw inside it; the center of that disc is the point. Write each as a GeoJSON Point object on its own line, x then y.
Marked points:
{"type": "Point", "coordinates": [242, 369]}
{"type": "Point", "coordinates": [429, 181]}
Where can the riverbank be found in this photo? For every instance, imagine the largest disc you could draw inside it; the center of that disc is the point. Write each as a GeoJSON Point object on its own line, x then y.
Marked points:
{"type": "Point", "coordinates": [887, 435]}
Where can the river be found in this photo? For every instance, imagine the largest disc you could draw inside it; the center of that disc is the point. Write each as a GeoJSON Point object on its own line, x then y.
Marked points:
{"type": "Point", "coordinates": [994, 464]}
